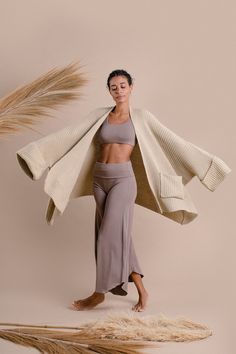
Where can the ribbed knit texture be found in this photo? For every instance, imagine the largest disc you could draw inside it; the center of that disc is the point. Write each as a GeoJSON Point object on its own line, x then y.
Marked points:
{"type": "Point", "coordinates": [216, 173]}
{"type": "Point", "coordinates": [163, 164]}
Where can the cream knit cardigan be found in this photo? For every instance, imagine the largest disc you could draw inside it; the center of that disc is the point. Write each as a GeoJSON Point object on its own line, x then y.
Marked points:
{"type": "Point", "coordinates": [163, 164]}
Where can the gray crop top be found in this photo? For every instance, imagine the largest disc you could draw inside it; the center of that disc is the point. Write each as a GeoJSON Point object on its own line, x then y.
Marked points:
{"type": "Point", "coordinates": [122, 133]}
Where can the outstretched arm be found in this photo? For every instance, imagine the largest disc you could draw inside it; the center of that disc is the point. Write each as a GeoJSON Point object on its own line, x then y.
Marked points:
{"type": "Point", "coordinates": [37, 156]}
{"type": "Point", "coordinates": [210, 169]}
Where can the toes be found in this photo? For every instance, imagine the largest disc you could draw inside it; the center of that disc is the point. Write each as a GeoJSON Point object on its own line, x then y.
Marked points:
{"type": "Point", "coordinates": [137, 308]}
{"type": "Point", "coordinates": [76, 304]}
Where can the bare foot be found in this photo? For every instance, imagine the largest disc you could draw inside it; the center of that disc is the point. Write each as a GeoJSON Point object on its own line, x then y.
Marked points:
{"type": "Point", "coordinates": [89, 302]}
{"type": "Point", "coordinates": [141, 304]}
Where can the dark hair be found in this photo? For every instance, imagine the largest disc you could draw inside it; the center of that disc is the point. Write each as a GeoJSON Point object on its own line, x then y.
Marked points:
{"type": "Point", "coordinates": [119, 72]}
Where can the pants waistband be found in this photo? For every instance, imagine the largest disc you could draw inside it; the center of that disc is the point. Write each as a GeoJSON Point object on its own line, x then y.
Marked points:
{"type": "Point", "coordinates": [112, 170]}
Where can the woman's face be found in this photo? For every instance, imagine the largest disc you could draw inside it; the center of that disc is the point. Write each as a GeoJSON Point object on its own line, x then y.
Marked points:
{"type": "Point", "coordinates": [120, 89]}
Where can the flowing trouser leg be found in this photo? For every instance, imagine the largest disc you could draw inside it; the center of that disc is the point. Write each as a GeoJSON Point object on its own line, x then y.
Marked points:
{"type": "Point", "coordinates": [100, 197]}
{"type": "Point", "coordinates": [114, 249]}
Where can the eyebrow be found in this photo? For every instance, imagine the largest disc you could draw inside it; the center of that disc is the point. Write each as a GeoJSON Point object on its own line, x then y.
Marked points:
{"type": "Point", "coordinates": [123, 82]}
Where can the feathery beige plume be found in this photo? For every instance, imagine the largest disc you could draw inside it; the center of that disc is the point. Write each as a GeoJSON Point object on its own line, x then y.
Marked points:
{"type": "Point", "coordinates": [123, 333]}
{"type": "Point", "coordinates": [29, 103]}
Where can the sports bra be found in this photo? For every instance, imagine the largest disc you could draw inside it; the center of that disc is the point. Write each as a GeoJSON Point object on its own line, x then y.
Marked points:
{"type": "Point", "coordinates": [122, 133]}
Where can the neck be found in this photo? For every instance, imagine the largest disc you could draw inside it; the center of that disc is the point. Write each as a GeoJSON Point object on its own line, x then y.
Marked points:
{"type": "Point", "coordinates": [121, 108]}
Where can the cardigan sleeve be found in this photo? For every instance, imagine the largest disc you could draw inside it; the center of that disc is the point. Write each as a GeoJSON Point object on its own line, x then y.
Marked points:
{"type": "Point", "coordinates": [209, 168]}
{"type": "Point", "coordinates": [37, 156]}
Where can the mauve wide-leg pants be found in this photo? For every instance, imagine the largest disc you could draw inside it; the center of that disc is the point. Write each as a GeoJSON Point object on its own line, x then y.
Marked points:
{"type": "Point", "coordinates": [115, 190]}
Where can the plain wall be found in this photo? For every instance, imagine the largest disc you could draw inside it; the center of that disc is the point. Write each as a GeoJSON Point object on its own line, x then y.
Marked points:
{"type": "Point", "coordinates": [182, 57]}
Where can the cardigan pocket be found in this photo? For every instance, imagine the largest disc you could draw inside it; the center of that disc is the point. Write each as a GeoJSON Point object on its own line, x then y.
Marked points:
{"type": "Point", "coordinates": [171, 186]}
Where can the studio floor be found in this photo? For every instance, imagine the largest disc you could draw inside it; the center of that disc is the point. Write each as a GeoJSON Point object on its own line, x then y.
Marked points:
{"type": "Point", "coordinates": [30, 307]}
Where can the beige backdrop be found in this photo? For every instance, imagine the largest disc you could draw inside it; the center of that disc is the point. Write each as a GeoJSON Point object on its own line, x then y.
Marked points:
{"type": "Point", "coordinates": [182, 56]}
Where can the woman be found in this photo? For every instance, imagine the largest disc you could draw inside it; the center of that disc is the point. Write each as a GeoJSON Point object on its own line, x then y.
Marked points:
{"type": "Point", "coordinates": [115, 190]}
{"type": "Point", "coordinates": [93, 157]}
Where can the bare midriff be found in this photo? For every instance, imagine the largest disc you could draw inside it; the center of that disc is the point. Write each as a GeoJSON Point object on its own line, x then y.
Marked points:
{"type": "Point", "coordinates": [115, 152]}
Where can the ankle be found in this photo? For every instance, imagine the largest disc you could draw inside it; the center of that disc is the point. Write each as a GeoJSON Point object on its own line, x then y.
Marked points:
{"type": "Point", "coordinates": [142, 292]}
{"type": "Point", "coordinates": [97, 294]}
